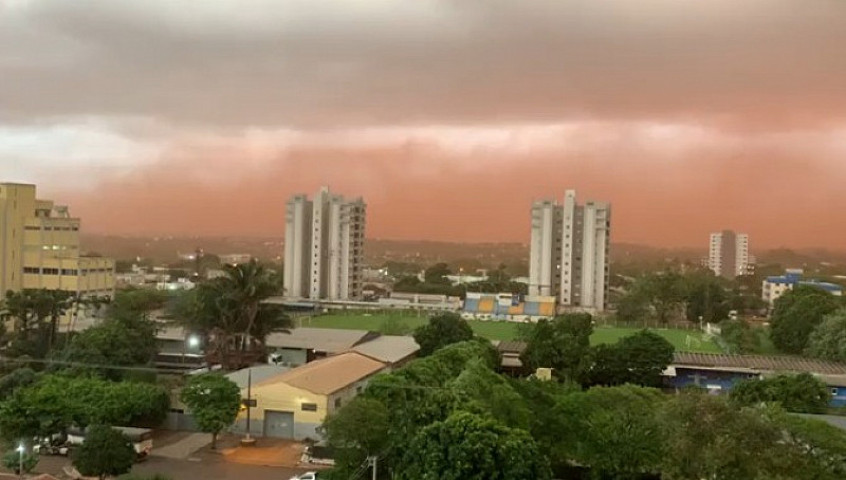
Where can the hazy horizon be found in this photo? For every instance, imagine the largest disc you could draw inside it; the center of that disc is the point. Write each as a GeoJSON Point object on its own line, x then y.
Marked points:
{"type": "Point", "coordinates": [448, 117]}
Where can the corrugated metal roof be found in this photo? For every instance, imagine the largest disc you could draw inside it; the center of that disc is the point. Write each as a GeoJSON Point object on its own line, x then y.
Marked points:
{"type": "Point", "coordinates": [772, 363]}
{"type": "Point", "coordinates": [329, 340]}
{"type": "Point", "coordinates": [388, 348]}
{"type": "Point", "coordinates": [330, 374]}
{"type": "Point", "coordinates": [511, 346]}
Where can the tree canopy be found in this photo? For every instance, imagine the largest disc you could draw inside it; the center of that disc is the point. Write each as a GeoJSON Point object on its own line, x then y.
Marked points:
{"type": "Point", "coordinates": [802, 393]}
{"type": "Point", "coordinates": [467, 446]}
{"type": "Point", "coordinates": [214, 401]}
{"type": "Point", "coordinates": [638, 359]}
{"type": "Point", "coordinates": [105, 452]}
{"type": "Point", "coordinates": [443, 329]}
{"type": "Point", "coordinates": [796, 314]}
{"type": "Point", "coordinates": [828, 340]}
{"type": "Point", "coordinates": [562, 344]}
{"type": "Point", "coordinates": [54, 403]}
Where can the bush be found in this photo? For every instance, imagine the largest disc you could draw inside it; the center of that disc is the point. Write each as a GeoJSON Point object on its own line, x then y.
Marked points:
{"type": "Point", "coordinates": [12, 461]}
{"type": "Point", "coordinates": [105, 452]}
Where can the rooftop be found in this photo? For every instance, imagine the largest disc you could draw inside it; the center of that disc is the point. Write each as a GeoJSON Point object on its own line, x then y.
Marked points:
{"type": "Point", "coordinates": [767, 363]}
{"type": "Point", "coordinates": [388, 348]}
{"type": "Point", "coordinates": [260, 373]}
{"type": "Point", "coordinates": [329, 340]}
{"type": "Point", "coordinates": [330, 374]}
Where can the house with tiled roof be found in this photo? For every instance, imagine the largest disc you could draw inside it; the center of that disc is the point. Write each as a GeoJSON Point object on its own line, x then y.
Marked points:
{"type": "Point", "coordinates": [295, 402]}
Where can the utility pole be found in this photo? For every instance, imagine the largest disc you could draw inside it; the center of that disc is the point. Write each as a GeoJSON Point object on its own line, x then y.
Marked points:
{"type": "Point", "coordinates": [249, 398]}
{"type": "Point", "coordinates": [373, 461]}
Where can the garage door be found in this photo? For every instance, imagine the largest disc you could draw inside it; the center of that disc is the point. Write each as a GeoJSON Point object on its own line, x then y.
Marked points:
{"type": "Point", "coordinates": [278, 424]}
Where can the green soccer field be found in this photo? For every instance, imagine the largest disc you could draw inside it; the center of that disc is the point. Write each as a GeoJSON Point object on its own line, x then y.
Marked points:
{"type": "Point", "coordinates": [683, 340]}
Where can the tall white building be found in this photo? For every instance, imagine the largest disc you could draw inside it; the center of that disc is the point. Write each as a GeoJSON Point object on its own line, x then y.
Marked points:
{"type": "Point", "coordinates": [324, 247]}
{"type": "Point", "coordinates": [728, 254]}
{"type": "Point", "coordinates": [569, 252]}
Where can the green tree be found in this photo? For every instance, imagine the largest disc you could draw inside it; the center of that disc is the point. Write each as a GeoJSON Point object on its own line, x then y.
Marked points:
{"type": "Point", "coordinates": [480, 390]}
{"type": "Point", "coordinates": [128, 339]}
{"type": "Point", "coordinates": [796, 314]}
{"type": "Point", "coordinates": [360, 429]}
{"type": "Point", "coordinates": [56, 402]}
{"type": "Point", "coordinates": [828, 340]}
{"type": "Point", "coordinates": [35, 314]}
{"type": "Point", "coordinates": [802, 393]}
{"type": "Point", "coordinates": [105, 452]}
{"type": "Point", "coordinates": [562, 344]}
{"type": "Point", "coordinates": [740, 336]}
{"type": "Point", "coordinates": [16, 379]}
{"type": "Point", "coordinates": [706, 298]}
{"type": "Point", "coordinates": [12, 461]}
{"type": "Point", "coordinates": [615, 431]}
{"type": "Point", "coordinates": [639, 359]}
{"type": "Point", "coordinates": [229, 313]}
{"type": "Point", "coordinates": [442, 330]}
{"type": "Point", "coordinates": [436, 274]}
{"type": "Point", "coordinates": [666, 293]}
{"type": "Point", "coordinates": [214, 401]}
{"type": "Point", "coordinates": [707, 437]}
{"type": "Point", "coordinates": [473, 447]}
{"type": "Point", "coordinates": [822, 446]}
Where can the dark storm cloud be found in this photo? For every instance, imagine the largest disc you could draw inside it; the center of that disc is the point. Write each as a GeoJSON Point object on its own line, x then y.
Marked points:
{"type": "Point", "coordinates": [749, 65]}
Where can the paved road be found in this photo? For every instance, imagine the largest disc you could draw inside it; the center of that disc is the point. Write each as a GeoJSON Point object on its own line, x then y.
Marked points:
{"type": "Point", "coordinates": [183, 448]}
{"type": "Point", "coordinates": [206, 467]}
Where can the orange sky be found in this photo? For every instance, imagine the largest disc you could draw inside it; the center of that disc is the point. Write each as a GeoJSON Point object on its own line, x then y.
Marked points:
{"type": "Point", "coordinates": [449, 117]}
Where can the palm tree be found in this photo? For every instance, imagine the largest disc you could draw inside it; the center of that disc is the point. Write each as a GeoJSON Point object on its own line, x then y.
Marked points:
{"type": "Point", "coordinates": [229, 311]}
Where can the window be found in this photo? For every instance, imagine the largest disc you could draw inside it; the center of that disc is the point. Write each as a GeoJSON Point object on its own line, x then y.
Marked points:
{"type": "Point", "coordinates": [337, 403]}
{"type": "Point", "coordinates": [833, 392]}
{"type": "Point", "coordinates": [308, 407]}
{"type": "Point", "coordinates": [34, 270]}
{"type": "Point", "coordinates": [32, 228]}
{"type": "Point", "coordinates": [70, 272]}
{"type": "Point", "coordinates": [50, 271]}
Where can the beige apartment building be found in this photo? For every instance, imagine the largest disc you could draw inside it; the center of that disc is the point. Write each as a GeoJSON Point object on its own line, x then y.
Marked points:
{"type": "Point", "coordinates": [39, 248]}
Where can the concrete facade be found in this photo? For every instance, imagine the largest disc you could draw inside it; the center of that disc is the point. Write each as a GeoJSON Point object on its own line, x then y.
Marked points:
{"type": "Point", "coordinates": [324, 247]}
{"type": "Point", "coordinates": [40, 248]}
{"type": "Point", "coordinates": [728, 254]}
{"type": "Point", "coordinates": [569, 252]}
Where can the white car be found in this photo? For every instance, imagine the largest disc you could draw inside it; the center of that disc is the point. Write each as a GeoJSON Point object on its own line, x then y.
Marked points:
{"type": "Point", "coordinates": [305, 476]}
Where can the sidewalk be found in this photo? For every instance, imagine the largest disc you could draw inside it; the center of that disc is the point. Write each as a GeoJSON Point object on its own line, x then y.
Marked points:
{"type": "Point", "coordinates": [268, 452]}
{"type": "Point", "coordinates": [183, 448]}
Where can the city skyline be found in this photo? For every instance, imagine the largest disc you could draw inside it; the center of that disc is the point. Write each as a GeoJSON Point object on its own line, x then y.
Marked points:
{"type": "Point", "coordinates": [153, 120]}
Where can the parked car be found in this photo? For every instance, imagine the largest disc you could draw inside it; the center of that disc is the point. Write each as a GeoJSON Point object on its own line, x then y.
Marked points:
{"type": "Point", "coordinates": [52, 445]}
{"type": "Point", "coordinates": [142, 439]}
{"type": "Point", "coordinates": [306, 476]}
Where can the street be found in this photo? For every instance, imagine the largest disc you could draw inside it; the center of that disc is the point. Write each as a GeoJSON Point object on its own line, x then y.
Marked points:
{"type": "Point", "coordinates": [204, 466]}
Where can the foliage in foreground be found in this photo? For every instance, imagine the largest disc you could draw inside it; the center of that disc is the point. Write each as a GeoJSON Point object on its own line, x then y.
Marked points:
{"type": "Point", "coordinates": [214, 401]}
{"type": "Point", "coordinates": [54, 403]}
{"type": "Point", "coordinates": [105, 452]}
{"type": "Point", "coordinates": [12, 461]}
{"type": "Point", "coordinates": [802, 393]}
{"type": "Point", "coordinates": [450, 415]}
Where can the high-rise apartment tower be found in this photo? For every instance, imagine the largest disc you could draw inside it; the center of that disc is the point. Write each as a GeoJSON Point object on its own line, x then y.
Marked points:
{"type": "Point", "coordinates": [728, 254]}
{"type": "Point", "coordinates": [324, 247]}
{"type": "Point", "coordinates": [569, 252]}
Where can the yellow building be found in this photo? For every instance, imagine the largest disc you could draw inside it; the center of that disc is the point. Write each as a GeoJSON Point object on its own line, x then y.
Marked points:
{"type": "Point", "coordinates": [39, 248]}
{"type": "Point", "coordinates": [294, 403]}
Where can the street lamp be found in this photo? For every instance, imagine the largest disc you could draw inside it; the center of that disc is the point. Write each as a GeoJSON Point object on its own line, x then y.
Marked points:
{"type": "Point", "coordinates": [193, 341]}
{"type": "Point", "coordinates": [21, 460]}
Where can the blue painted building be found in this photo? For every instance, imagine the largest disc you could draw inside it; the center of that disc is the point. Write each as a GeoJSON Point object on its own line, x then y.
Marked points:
{"type": "Point", "coordinates": [776, 286]}
{"type": "Point", "coordinates": [718, 373]}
